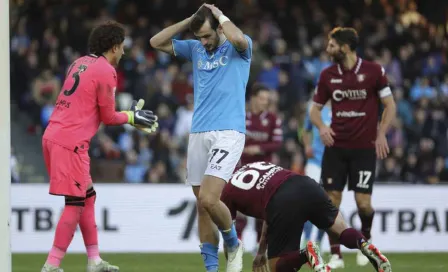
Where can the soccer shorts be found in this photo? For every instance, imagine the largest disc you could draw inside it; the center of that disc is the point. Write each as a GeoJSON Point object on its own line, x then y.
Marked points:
{"type": "Point", "coordinates": [313, 171]}
{"type": "Point", "coordinates": [296, 201]}
{"type": "Point", "coordinates": [214, 153]}
{"type": "Point", "coordinates": [69, 170]}
{"type": "Point", "coordinates": [355, 165]}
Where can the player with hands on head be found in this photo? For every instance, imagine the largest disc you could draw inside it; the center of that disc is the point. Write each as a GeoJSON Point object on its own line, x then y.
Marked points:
{"type": "Point", "coordinates": [285, 201]}
{"type": "Point", "coordinates": [221, 57]}
{"type": "Point", "coordinates": [356, 138]}
{"type": "Point", "coordinates": [86, 100]}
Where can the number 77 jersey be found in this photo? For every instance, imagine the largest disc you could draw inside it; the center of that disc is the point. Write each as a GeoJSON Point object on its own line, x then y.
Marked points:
{"type": "Point", "coordinates": [252, 186]}
{"type": "Point", "coordinates": [87, 98]}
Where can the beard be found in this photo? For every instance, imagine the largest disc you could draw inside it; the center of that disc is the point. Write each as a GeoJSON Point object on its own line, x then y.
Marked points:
{"type": "Point", "coordinates": [338, 57]}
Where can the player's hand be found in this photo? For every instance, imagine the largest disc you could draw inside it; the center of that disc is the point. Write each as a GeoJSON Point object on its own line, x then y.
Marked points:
{"type": "Point", "coordinates": [326, 135]}
{"type": "Point", "coordinates": [309, 152]}
{"type": "Point", "coordinates": [143, 120]}
{"type": "Point", "coordinates": [260, 263]}
{"type": "Point", "coordinates": [216, 11]}
{"type": "Point", "coordinates": [381, 146]}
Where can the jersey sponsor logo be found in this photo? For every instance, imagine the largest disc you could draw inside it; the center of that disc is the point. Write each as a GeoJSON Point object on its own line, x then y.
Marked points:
{"type": "Point", "coordinates": [257, 135]}
{"type": "Point", "coordinates": [361, 77]}
{"type": "Point", "coordinates": [336, 80]}
{"type": "Point", "coordinates": [350, 114]}
{"type": "Point", "coordinates": [339, 95]}
{"type": "Point", "coordinates": [210, 65]}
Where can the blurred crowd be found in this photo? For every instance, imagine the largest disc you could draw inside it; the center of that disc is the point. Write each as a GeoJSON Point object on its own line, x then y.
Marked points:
{"type": "Point", "coordinates": [407, 39]}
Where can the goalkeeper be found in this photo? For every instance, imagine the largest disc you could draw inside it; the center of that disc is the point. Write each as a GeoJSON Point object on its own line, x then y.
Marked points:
{"type": "Point", "coordinates": [87, 99]}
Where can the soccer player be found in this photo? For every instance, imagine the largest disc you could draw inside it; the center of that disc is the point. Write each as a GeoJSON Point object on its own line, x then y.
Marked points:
{"type": "Point", "coordinates": [285, 201]}
{"type": "Point", "coordinates": [264, 136]}
{"type": "Point", "coordinates": [87, 99]}
{"type": "Point", "coordinates": [221, 61]}
{"type": "Point", "coordinates": [354, 140]}
{"type": "Point", "coordinates": [314, 150]}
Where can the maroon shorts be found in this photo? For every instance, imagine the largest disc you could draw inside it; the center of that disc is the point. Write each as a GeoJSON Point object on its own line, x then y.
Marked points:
{"type": "Point", "coordinates": [69, 171]}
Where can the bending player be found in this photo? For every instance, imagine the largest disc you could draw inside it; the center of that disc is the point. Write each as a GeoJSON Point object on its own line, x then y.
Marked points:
{"type": "Point", "coordinates": [286, 201]}
{"type": "Point", "coordinates": [355, 140]}
{"type": "Point", "coordinates": [87, 99]}
{"type": "Point", "coordinates": [221, 59]}
{"type": "Point", "coordinates": [264, 137]}
{"type": "Point", "coordinates": [314, 150]}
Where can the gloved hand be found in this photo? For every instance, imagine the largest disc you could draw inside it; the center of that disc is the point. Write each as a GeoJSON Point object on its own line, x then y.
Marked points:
{"type": "Point", "coordinates": [144, 120]}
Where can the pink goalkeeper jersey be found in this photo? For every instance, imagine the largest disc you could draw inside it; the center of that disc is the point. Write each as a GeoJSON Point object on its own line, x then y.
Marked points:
{"type": "Point", "coordinates": [87, 98]}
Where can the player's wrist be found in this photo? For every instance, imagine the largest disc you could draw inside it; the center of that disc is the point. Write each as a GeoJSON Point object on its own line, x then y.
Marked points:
{"type": "Point", "coordinates": [130, 115]}
{"type": "Point", "coordinates": [222, 19]}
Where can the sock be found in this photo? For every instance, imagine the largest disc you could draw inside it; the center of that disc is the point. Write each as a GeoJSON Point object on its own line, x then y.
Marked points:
{"type": "Point", "coordinates": [240, 224]}
{"type": "Point", "coordinates": [88, 228]}
{"type": "Point", "coordinates": [65, 231]}
{"type": "Point", "coordinates": [258, 228]}
{"type": "Point", "coordinates": [209, 254]}
{"type": "Point", "coordinates": [335, 247]}
{"type": "Point", "coordinates": [292, 261]}
{"type": "Point", "coordinates": [307, 228]}
{"type": "Point", "coordinates": [230, 238]}
{"type": "Point", "coordinates": [352, 238]}
{"type": "Point", "coordinates": [320, 236]}
{"type": "Point", "coordinates": [366, 224]}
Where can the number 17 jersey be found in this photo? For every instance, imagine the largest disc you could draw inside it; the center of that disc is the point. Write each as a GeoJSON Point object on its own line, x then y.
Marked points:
{"type": "Point", "coordinates": [87, 98]}
{"type": "Point", "coordinates": [252, 186]}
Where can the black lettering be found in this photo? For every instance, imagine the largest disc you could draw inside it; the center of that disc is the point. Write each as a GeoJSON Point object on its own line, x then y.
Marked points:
{"type": "Point", "coordinates": [106, 223]}
{"type": "Point", "coordinates": [446, 221]}
{"type": "Point", "coordinates": [383, 215]}
{"type": "Point", "coordinates": [42, 219]}
{"type": "Point", "coordinates": [190, 223]}
{"type": "Point", "coordinates": [406, 221]}
{"type": "Point", "coordinates": [20, 213]}
{"type": "Point", "coordinates": [179, 209]}
{"type": "Point", "coordinates": [430, 220]}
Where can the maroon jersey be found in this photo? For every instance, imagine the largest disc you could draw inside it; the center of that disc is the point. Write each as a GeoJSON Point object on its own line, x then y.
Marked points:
{"type": "Point", "coordinates": [355, 101]}
{"type": "Point", "coordinates": [252, 186]}
{"type": "Point", "coordinates": [264, 130]}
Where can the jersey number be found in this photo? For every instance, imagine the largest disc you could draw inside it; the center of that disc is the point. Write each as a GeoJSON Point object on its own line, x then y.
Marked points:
{"type": "Point", "coordinates": [81, 68]}
{"type": "Point", "coordinates": [221, 151]}
{"type": "Point", "coordinates": [252, 171]}
{"type": "Point", "coordinates": [364, 177]}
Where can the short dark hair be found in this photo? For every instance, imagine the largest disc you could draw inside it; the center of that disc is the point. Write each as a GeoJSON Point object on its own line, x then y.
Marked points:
{"type": "Point", "coordinates": [257, 88]}
{"type": "Point", "coordinates": [105, 36]}
{"type": "Point", "coordinates": [345, 35]}
{"type": "Point", "coordinates": [199, 18]}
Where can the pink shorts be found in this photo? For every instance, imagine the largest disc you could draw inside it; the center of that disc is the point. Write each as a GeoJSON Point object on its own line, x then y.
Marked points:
{"type": "Point", "coordinates": [69, 171]}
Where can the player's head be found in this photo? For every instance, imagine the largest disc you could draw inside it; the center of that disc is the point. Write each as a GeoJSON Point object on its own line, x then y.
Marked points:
{"type": "Point", "coordinates": [206, 28]}
{"type": "Point", "coordinates": [259, 97]}
{"type": "Point", "coordinates": [342, 41]}
{"type": "Point", "coordinates": [108, 39]}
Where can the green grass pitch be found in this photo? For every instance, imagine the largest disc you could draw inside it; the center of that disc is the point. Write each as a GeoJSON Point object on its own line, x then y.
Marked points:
{"type": "Point", "coordinates": [193, 262]}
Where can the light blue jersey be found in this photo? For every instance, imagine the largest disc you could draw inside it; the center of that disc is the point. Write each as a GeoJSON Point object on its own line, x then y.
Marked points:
{"type": "Point", "coordinates": [317, 145]}
{"type": "Point", "coordinates": [220, 79]}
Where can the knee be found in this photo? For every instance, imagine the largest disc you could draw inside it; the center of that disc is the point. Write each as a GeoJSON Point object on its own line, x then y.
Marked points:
{"type": "Point", "coordinates": [207, 202]}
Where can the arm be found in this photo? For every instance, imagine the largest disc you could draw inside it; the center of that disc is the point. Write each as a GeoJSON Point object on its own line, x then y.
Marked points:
{"type": "Point", "coordinates": [388, 114]}
{"type": "Point", "coordinates": [263, 243]}
{"type": "Point", "coordinates": [231, 31]}
{"type": "Point", "coordinates": [316, 115]}
{"type": "Point", "coordinates": [162, 40]}
{"type": "Point", "coordinates": [106, 101]}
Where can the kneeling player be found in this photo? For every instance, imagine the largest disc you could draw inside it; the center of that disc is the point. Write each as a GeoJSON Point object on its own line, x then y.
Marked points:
{"type": "Point", "coordinates": [286, 201]}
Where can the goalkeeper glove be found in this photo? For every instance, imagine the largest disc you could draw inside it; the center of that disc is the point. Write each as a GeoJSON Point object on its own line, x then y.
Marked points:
{"type": "Point", "coordinates": [143, 120]}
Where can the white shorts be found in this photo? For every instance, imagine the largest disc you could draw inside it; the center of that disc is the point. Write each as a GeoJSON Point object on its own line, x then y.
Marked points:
{"type": "Point", "coordinates": [313, 171]}
{"type": "Point", "coordinates": [215, 153]}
